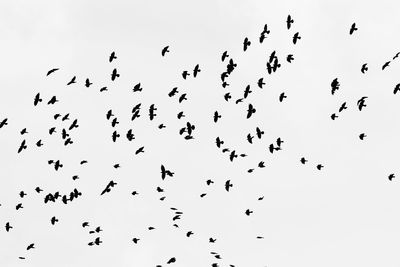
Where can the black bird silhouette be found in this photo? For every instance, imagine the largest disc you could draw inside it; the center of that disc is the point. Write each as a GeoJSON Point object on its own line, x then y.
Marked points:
{"type": "Point", "coordinates": [353, 28]}
{"type": "Point", "coordinates": [38, 189]}
{"type": "Point", "coordinates": [261, 82]}
{"type": "Point", "coordinates": [303, 160]}
{"type": "Point", "coordinates": [296, 37]}
{"type": "Point", "coordinates": [396, 56]}
{"type": "Point", "coordinates": [342, 107]}
{"type": "Point", "coordinates": [196, 70]}
{"type": "Point", "coordinates": [279, 141]}
{"type": "Point", "coordinates": [250, 111]}
{"type": "Point", "coordinates": [137, 88]}
{"type": "Point", "coordinates": [74, 125]}
{"type": "Point", "coordinates": [233, 155]}
{"type": "Point", "coordinates": [396, 88]}
{"type": "Point", "coordinates": [246, 44]}
{"type": "Point", "coordinates": [227, 96]}
{"type": "Point", "coordinates": [228, 185]}
{"type": "Point", "coordinates": [19, 206]}
{"type": "Point", "coordinates": [51, 71]}
{"type": "Point", "coordinates": [334, 116]}
{"type": "Point", "coordinates": [108, 187]}
{"type": "Point", "coordinates": [289, 58]}
{"type": "Point", "coordinates": [68, 141]}
{"type": "Point", "coordinates": [185, 73]}
{"type": "Point", "coordinates": [364, 68]}
{"type": "Point", "coordinates": [37, 99]}
{"type": "Point", "coordinates": [173, 92]}
{"type": "Point", "coordinates": [22, 146]}
{"type": "Point", "coordinates": [3, 123]}
{"type": "Point", "coordinates": [391, 176]}
{"type": "Point", "coordinates": [24, 131]}
{"type": "Point", "coordinates": [165, 172]}
{"type": "Point", "coordinates": [247, 91]}
{"type": "Point", "coordinates": [188, 234]}
{"type": "Point", "coordinates": [180, 115]}
{"type": "Point", "coordinates": [164, 50]}
{"type": "Point", "coordinates": [114, 136]}
{"type": "Point", "coordinates": [361, 102]}
{"type": "Point", "coordinates": [248, 212]}
{"type": "Point", "coordinates": [161, 126]}
{"type": "Point", "coordinates": [112, 57]}
{"type": "Point", "coordinates": [271, 148]}
{"type": "Point", "coordinates": [224, 55]}
{"type": "Point", "coordinates": [88, 83]}
{"type": "Point", "coordinates": [31, 246]}
{"type": "Point", "coordinates": [129, 135]}
{"type": "Point", "coordinates": [135, 240]}
{"type": "Point", "coordinates": [171, 260]}
{"type": "Point", "coordinates": [334, 86]}
{"type": "Point", "coordinates": [85, 224]}
{"type": "Point", "coordinates": [8, 227]}
{"type": "Point", "coordinates": [73, 80]}
{"type": "Point", "coordinates": [39, 143]}
{"type": "Point", "coordinates": [289, 22]}
{"type": "Point", "coordinates": [362, 136]}
{"type": "Point", "coordinates": [219, 142]}
{"type": "Point", "coordinates": [262, 37]}
{"type": "Point", "coordinates": [109, 114]}
{"type": "Point", "coordinates": [102, 89]}
{"type": "Point", "coordinates": [152, 109]}
{"type": "Point", "coordinates": [52, 130]}
{"type": "Point", "coordinates": [209, 181]}
{"type": "Point", "coordinates": [139, 150]}
{"type": "Point", "coordinates": [261, 164]}
{"type": "Point", "coordinates": [53, 220]}
{"type": "Point", "coordinates": [216, 116]}
{"type": "Point", "coordinates": [259, 133]}
{"type": "Point", "coordinates": [52, 101]}
{"type": "Point", "coordinates": [250, 138]}
{"type": "Point", "coordinates": [114, 74]}
{"type": "Point", "coordinates": [240, 100]}
{"type": "Point", "coordinates": [97, 241]}
{"type": "Point", "coordinates": [385, 65]}
{"type": "Point", "coordinates": [282, 96]}
{"type": "Point", "coordinates": [320, 166]}
{"type": "Point", "coordinates": [22, 194]}
{"type": "Point", "coordinates": [182, 97]}
{"type": "Point", "coordinates": [265, 30]}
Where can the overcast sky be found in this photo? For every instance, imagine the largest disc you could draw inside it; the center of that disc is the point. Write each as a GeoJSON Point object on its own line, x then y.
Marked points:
{"type": "Point", "coordinates": [343, 215]}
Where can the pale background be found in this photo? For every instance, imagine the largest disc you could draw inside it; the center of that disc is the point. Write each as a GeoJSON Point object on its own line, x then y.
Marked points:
{"type": "Point", "coordinates": [345, 215]}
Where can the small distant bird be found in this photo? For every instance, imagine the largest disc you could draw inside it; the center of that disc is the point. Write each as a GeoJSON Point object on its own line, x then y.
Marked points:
{"type": "Point", "coordinates": [24, 131]}
{"type": "Point", "coordinates": [164, 50]}
{"type": "Point", "coordinates": [362, 136]}
{"type": "Point", "coordinates": [165, 172]}
{"type": "Point", "coordinates": [361, 102]}
{"type": "Point", "coordinates": [282, 96]}
{"type": "Point", "coordinates": [112, 57]}
{"type": "Point", "coordinates": [73, 80]}
{"type": "Point", "coordinates": [38, 189]}
{"type": "Point", "coordinates": [37, 99]}
{"type": "Point", "coordinates": [22, 146]}
{"type": "Point", "coordinates": [173, 92]}
{"type": "Point", "coordinates": [135, 240]}
{"type": "Point", "coordinates": [250, 138]}
{"type": "Point", "coordinates": [303, 160]}
{"type": "Point", "coordinates": [247, 91]}
{"type": "Point", "coordinates": [196, 70]}
{"type": "Point", "coordinates": [233, 155]}
{"type": "Point", "coordinates": [182, 97]}
{"type": "Point", "coordinates": [342, 107]}
{"type": "Point", "coordinates": [396, 56]}
{"type": "Point", "coordinates": [248, 212]}
{"type": "Point", "coordinates": [52, 101]}
{"type": "Point", "coordinates": [289, 22]}
{"type": "Point", "coordinates": [246, 44]}
{"type": "Point", "coordinates": [171, 260]}
{"type": "Point", "coordinates": [31, 246]}
{"type": "Point", "coordinates": [139, 150]}
{"type": "Point", "coordinates": [353, 28]}
{"type": "Point", "coordinates": [85, 224]}
{"type": "Point", "coordinates": [224, 55]}
{"type": "Point", "coordinates": [212, 240]}
{"type": "Point", "coordinates": [250, 111]}
{"type": "Point", "coordinates": [53, 220]}
{"type": "Point", "coordinates": [209, 181]}
{"type": "Point", "coordinates": [88, 83]}
{"type": "Point", "coordinates": [114, 74]}
{"type": "Point", "coordinates": [185, 73]}
{"type": "Point", "coordinates": [364, 68]}
{"type": "Point", "coordinates": [259, 132]}
{"type": "Point", "coordinates": [219, 142]}
{"type": "Point", "coordinates": [261, 164]}
{"type": "Point", "coordinates": [137, 88]}
{"type": "Point", "coordinates": [216, 116]}
{"type": "Point", "coordinates": [385, 65]}
{"type": "Point", "coordinates": [334, 116]}
{"type": "Point", "coordinates": [51, 71]}
{"type": "Point", "coordinates": [396, 88]}
{"type": "Point", "coordinates": [227, 96]}
{"type": "Point", "coordinates": [228, 185]}
{"type": "Point", "coordinates": [334, 86]}
{"type": "Point", "coordinates": [391, 176]}
{"type": "Point", "coordinates": [39, 143]}
{"type": "Point", "coordinates": [8, 227]}
{"type": "Point", "coordinates": [188, 234]}
{"type": "Point", "coordinates": [289, 58]}
{"type": "Point", "coordinates": [22, 194]}
{"type": "Point", "coordinates": [261, 83]}
{"type": "Point", "coordinates": [3, 123]}
{"type": "Point", "coordinates": [319, 167]}
{"type": "Point", "coordinates": [296, 37]}
{"type": "Point", "coordinates": [102, 89]}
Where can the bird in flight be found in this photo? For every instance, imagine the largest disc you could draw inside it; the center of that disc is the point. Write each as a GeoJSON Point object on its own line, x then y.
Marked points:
{"type": "Point", "coordinates": [37, 99]}
{"type": "Point", "coordinates": [246, 44]}
{"type": "Point", "coordinates": [112, 57]}
{"type": "Point", "coordinates": [364, 68]}
{"type": "Point", "coordinates": [228, 185]}
{"type": "Point", "coordinates": [289, 22]}
{"type": "Point", "coordinates": [51, 71]}
{"type": "Point", "coordinates": [353, 28]}
{"type": "Point", "coordinates": [164, 50]}
{"type": "Point", "coordinates": [396, 88]}
{"type": "Point", "coordinates": [361, 102]}
{"type": "Point", "coordinates": [165, 172]}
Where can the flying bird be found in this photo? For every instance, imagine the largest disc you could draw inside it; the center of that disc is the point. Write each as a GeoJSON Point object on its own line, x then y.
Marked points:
{"type": "Point", "coordinates": [228, 185]}
{"type": "Point", "coordinates": [112, 57]}
{"type": "Point", "coordinates": [250, 111]}
{"type": "Point", "coordinates": [353, 28]}
{"type": "Point", "coordinates": [364, 68]}
{"type": "Point", "coordinates": [51, 71]}
{"type": "Point", "coordinates": [164, 50]}
{"type": "Point", "coordinates": [289, 22]}
{"type": "Point", "coordinates": [361, 102]}
{"type": "Point", "coordinates": [165, 172]}
{"type": "Point", "coordinates": [246, 44]}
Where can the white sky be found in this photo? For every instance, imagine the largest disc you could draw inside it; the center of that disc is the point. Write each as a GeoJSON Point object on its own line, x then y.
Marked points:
{"type": "Point", "coordinates": [345, 215]}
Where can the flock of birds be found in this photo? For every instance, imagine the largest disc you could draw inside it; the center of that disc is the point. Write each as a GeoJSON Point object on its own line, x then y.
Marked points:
{"type": "Point", "coordinates": [66, 127]}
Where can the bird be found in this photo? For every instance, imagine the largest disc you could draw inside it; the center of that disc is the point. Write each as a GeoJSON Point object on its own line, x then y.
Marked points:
{"type": "Point", "coordinates": [31, 246]}
{"type": "Point", "coordinates": [289, 58]}
{"type": "Point", "coordinates": [180, 115]}
{"type": "Point", "coordinates": [289, 22]}
{"type": "Point", "coordinates": [23, 131]}
{"type": "Point", "coordinates": [228, 185]}
{"type": "Point", "coordinates": [259, 132]}
{"type": "Point", "coordinates": [3, 123]}
{"type": "Point", "coordinates": [112, 57]}
{"type": "Point", "coordinates": [320, 166]}
{"type": "Point", "coordinates": [212, 240]}
{"type": "Point", "coordinates": [334, 116]}
{"type": "Point", "coordinates": [342, 107]}
{"type": "Point", "coordinates": [265, 30]}
{"type": "Point", "coordinates": [152, 110]}
{"type": "Point", "coordinates": [52, 101]}
{"type": "Point", "coordinates": [173, 92]}
{"type": "Point", "coordinates": [85, 224]}
{"type": "Point", "coordinates": [196, 70]}
{"type": "Point", "coordinates": [209, 182]}
{"type": "Point", "coordinates": [250, 138]}
{"type": "Point", "coordinates": [8, 227]}
{"type": "Point", "coordinates": [73, 80]}
{"type": "Point", "coordinates": [114, 136]}
{"type": "Point", "coordinates": [137, 88]}
{"type": "Point", "coordinates": [39, 143]}
{"type": "Point", "coordinates": [108, 187]}
{"type": "Point", "coordinates": [261, 83]}
{"type": "Point", "coordinates": [248, 212]}
{"type": "Point", "coordinates": [247, 91]}
{"type": "Point", "coordinates": [391, 176]}
{"type": "Point", "coordinates": [102, 89]}
{"type": "Point", "coordinates": [165, 172]}
{"type": "Point", "coordinates": [282, 96]}
{"type": "Point", "coordinates": [396, 88]}
{"type": "Point", "coordinates": [97, 241]}
{"type": "Point", "coordinates": [261, 164]}
{"type": "Point", "coordinates": [53, 220]}
{"type": "Point", "coordinates": [233, 155]}
{"type": "Point", "coordinates": [250, 111]}
{"type": "Point", "coordinates": [396, 56]}
{"type": "Point", "coordinates": [362, 136]}
{"type": "Point", "coordinates": [227, 96]}
{"type": "Point", "coordinates": [19, 206]}
{"type": "Point", "coordinates": [38, 189]}
{"type": "Point", "coordinates": [216, 116]}
{"type": "Point", "coordinates": [188, 234]}
{"type": "Point", "coordinates": [296, 37]}
{"type": "Point", "coordinates": [262, 37]}
{"type": "Point", "coordinates": [361, 102]}
{"type": "Point", "coordinates": [384, 66]}
{"type": "Point", "coordinates": [114, 74]}
{"type": "Point", "coordinates": [171, 260]}
{"type": "Point", "coordinates": [353, 28]}
{"type": "Point", "coordinates": [37, 99]}
{"type": "Point", "coordinates": [185, 73]}
{"type": "Point", "coordinates": [246, 44]}
{"type": "Point", "coordinates": [135, 240]}
{"type": "Point", "coordinates": [364, 68]}
{"type": "Point", "coordinates": [182, 97]}
{"type": "Point", "coordinates": [88, 83]}
{"type": "Point", "coordinates": [22, 146]}
{"type": "Point", "coordinates": [224, 56]}
{"type": "Point", "coordinates": [334, 86]}
{"type": "Point", "coordinates": [22, 194]}
{"type": "Point", "coordinates": [164, 50]}
{"type": "Point", "coordinates": [51, 71]}
{"type": "Point", "coordinates": [303, 160]}
{"type": "Point", "coordinates": [139, 150]}
{"type": "Point", "coordinates": [219, 142]}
